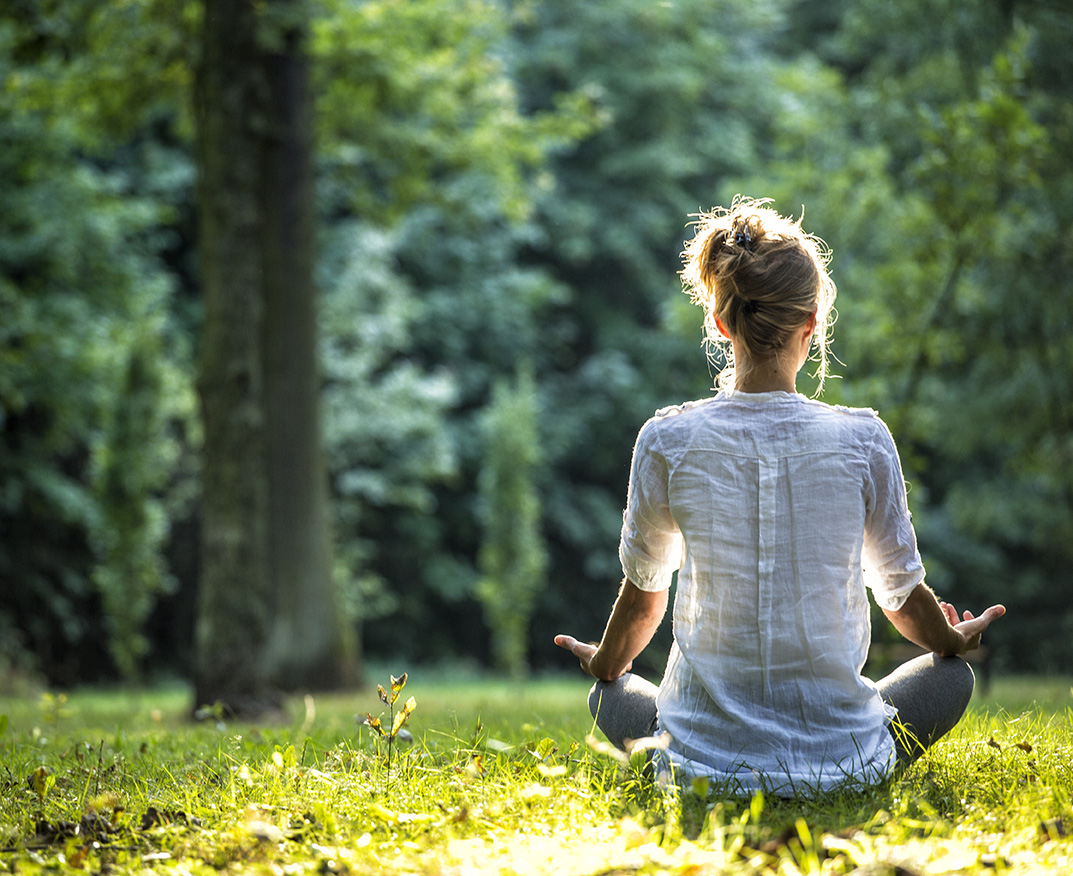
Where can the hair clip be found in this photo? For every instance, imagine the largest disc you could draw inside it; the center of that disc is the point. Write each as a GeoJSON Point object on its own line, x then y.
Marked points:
{"type": "Point", "coordinates": [743, 239]}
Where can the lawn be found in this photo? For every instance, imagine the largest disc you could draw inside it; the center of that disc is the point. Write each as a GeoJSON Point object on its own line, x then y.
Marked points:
{"type": "Point", "coordinates": [498, 778]}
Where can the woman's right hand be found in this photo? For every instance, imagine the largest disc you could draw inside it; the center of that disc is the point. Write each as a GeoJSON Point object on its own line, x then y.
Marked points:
{"type": "Point", "coordinates": [926, 620]}
{"type": "Point", "coordinates": [969, 625]}
{"type": "Point", "coordinates": [586, 654]}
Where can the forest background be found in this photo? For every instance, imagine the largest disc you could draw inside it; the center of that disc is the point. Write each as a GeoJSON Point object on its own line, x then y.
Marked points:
{"type": "Point", "coordinates": [501, 193]}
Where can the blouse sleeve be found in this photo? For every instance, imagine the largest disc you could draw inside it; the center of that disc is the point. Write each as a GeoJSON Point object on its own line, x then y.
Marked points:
{"type": "Point", "coordinates": [891, 560]}
{"type": "Point", "coordinates": [650, 548]}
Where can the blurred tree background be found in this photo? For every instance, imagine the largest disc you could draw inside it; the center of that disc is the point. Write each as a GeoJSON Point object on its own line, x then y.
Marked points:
{"type": "Point", "coordinates": [499, 194]}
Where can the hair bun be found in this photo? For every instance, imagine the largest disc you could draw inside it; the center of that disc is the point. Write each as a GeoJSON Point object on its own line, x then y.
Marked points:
{"type": "Point", "coordinates": [758, 276]}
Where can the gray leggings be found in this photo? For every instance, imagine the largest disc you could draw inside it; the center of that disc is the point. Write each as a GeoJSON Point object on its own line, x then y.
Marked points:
{"type": "Point", "coordinates": [930, 692]}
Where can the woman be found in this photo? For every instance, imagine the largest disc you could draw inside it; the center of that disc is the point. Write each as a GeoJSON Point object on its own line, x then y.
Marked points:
{"type": "Point", "coordinates": [778, 512]}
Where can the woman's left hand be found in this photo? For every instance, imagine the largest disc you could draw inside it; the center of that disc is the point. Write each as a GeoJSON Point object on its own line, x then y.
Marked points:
{"type": "Point", "coordinates": [634, 619]}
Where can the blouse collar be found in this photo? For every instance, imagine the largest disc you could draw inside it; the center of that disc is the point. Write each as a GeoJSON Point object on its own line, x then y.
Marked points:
{"type": "Point", "coordinates": [760, 397]}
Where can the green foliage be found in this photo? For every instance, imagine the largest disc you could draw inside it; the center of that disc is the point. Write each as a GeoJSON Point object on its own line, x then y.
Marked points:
{"type": "Point", "coordinates": [424, 173]}
{"type": "Point", "coordinates": [132, 471]}
{"type": "Point", "coordinates": [413, 95]}
{"type": "Point", "coordinates": [91, 385]}
{"type": "Point", "coordinates": [512, 559]}
{"type": "Point", "coordinates": [383, 413]}
{"type": "Point", "coordinates": [425, 170]}
{"type": "Point", "coordinates": [501, 183]}
{"type": "Point", "coordinates": [98, 73]}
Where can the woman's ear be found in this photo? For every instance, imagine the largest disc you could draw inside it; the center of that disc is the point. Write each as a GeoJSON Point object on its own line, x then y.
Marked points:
{"type": "Point", "coordinates": [811, 323]}
{"type": "Point", "coordinates": [723, 329]}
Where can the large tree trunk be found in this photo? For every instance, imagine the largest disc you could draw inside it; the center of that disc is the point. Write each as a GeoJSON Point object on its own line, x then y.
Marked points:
{"type": "Point", "coordinates": [233, 598]}
{"type": "Point", "coordinates": [311, 644]}
{"type": "Point", "coordinates": [268, 611]}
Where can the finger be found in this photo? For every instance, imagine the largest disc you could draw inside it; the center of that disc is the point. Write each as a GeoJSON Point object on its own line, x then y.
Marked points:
{"type": "Point", "coordinates": [567, 642]}
{"type": "Point", "coordinates": [583, 650]}
{"type": "Point", "coordinates": [950, 612]}
{"type": "Point", "coordinates": [989, 615]}
{"type": "Point", "coordinates": [972, 629]}
{"type": "Point", "coordinates": [981, 623]}
{"type": "Point", "coordinates": [968, 615]}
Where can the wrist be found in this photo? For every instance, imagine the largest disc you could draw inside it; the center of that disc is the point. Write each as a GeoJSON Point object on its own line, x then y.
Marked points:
{"type": "Point", "coordinates": [956, 643]}
{"type": "Point", "coordinates": [605, 667]}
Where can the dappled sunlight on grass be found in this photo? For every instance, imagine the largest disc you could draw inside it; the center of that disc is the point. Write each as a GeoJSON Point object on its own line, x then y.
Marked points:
{"type": "Point", "coordinates": [498, 778]}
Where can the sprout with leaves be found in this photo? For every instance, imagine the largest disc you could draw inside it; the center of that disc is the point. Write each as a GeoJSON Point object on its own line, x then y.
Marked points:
{"type": "Point", "coordinates": [396, 720]}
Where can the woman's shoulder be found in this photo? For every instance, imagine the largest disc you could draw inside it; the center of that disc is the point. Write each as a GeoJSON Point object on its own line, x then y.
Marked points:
{"type": "Point", "coordinates": [667, 423]}
{"type": "Point", "coordinates": [865, 414]}
{"type": "Point", "coordinates": [683, 407]}
{"type": "Point", "coordinates": [863, 427]}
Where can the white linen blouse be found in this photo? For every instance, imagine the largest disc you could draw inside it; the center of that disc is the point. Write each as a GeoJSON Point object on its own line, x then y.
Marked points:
{"type": "Point", "coordinates": [778, 511]}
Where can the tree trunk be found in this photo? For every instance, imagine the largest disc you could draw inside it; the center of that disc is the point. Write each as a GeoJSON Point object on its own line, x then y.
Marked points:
{"type": "Point", "coordinates": [233, 597]}
{"type": "Point", "coordinates": [268, 612]}
{"type": "Point", "coordinates": [311, 644]}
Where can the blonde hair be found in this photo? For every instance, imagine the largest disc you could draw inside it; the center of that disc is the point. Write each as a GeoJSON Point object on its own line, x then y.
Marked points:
{"type": "Point", "coordinates": [762, 276]}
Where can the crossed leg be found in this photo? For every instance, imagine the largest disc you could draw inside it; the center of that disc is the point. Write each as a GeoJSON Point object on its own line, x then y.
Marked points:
{"type": "Point", "coordinates": [930, 692]}
{"type": "Point", "coordinates": [624, 708]}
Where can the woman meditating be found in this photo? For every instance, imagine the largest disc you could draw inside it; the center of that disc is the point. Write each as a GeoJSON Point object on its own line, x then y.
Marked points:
{"type": "Point", "coordinates": [777, 511]}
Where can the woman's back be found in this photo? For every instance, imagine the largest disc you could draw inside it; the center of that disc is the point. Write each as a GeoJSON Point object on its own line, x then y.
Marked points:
{"type": "Point", "coordinates": [772, 494]}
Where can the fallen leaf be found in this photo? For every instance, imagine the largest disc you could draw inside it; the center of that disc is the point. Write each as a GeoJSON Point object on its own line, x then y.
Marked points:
{"type": "Point", "coordinates": [1054, 828]}
{"type": "Point", "coordinates": [77, 859]}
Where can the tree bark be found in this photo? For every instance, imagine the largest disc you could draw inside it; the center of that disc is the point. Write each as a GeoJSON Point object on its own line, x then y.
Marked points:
{"type": "Point", "coordinates": [268, 613]}
{"type": "Point", "coordinates": [232, 623]}
{"type": "Point", "coordinates": [311, 643]}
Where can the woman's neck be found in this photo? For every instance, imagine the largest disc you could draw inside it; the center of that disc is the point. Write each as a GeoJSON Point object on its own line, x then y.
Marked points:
{"type": "Point", "coordinates": [757, 382]}
{"type": "Point", "coordinates": [776, 373]}
{"type": "Point", "coordinates": [770, 375]}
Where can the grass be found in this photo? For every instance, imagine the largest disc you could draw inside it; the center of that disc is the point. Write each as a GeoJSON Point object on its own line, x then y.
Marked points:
{"type": "Point", "coordinates": [499, 779]}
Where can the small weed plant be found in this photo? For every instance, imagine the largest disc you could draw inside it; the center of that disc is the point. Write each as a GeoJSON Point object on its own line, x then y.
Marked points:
{"type": "Point", "coordinates": [499, 778]}
{"type": "Point", "coordinates": [396, 720]}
